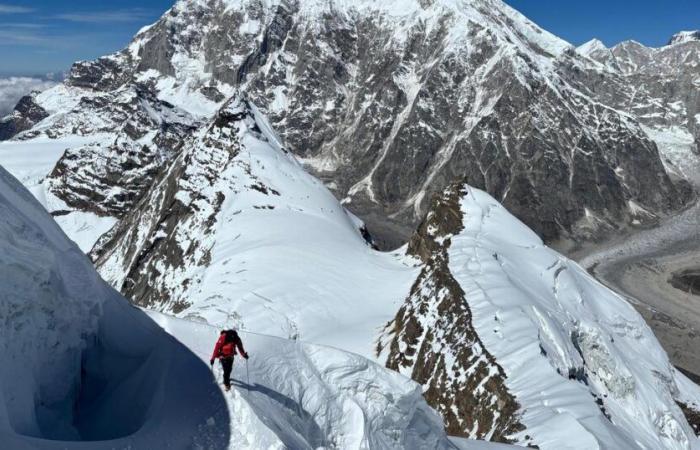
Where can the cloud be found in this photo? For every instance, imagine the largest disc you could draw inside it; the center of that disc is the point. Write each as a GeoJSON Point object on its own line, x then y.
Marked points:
{"type": "Point", "coordinates": [19, 36]}
{"type": "Point", "coordinates": [22, 25]}
{"type": "Point", "coordinates": [97, 17]}
{"type": "Point", "coordinates": [13, 88]}
{"type": "Point", "coordinates": [14, 9]}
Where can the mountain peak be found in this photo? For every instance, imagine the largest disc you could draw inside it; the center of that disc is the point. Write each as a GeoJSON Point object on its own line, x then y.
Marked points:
{"type": "Point", "coordinates": [591, 46]}
{"type": "Point", "coordinates": [684, 36]}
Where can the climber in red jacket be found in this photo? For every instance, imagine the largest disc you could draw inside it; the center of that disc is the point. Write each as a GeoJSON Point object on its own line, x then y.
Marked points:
{"type": "Point", "coordinates": [225, 349]}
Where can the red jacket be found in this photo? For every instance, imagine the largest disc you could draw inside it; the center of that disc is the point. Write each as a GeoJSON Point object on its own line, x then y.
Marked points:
{"type": "Point", "coordinates": [224, 349]}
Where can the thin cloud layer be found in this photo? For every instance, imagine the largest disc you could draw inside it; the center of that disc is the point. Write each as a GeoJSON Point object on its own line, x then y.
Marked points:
{"type": "Point", "coordinates": [124, 15]}
{"type": "Point", "coordinates": [14, 9]}
{"type": "Point", "coordinates": [13, 88]}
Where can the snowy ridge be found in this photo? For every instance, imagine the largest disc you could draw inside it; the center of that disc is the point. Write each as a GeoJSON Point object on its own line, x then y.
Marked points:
{"type": "Point", "coordinates": [551, 357]}
{"type": "Point", "coordinates": [684, 36]}
{"type": "Point", "coordinates": [237, 232]}
{"type": "Point", "coordinates": [554, 329]}
{"type": "Point", "coordinates": [450, 83]}
{"type": "Point", "coordinates": [305, 396]}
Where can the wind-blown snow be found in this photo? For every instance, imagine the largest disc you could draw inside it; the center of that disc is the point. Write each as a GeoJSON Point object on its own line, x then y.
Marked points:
{"type": "Point", "coordinates": [302, 396]}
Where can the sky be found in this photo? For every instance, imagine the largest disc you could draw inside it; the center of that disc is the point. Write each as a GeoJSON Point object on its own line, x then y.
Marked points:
{"type": "Point", "coordinates": [651, 22]}
{"type": "Point", "coordinates": [40, 36]}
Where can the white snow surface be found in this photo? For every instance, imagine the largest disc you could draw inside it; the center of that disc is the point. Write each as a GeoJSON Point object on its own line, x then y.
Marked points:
{"type": "Point", "coordinates": [83, 369]}
{"type": "Point", "coordinates": [298, 268]}
{"type": "Point", "coordinates": [294, 395]}
{"type": "Point", "coordinates": [564, 340]}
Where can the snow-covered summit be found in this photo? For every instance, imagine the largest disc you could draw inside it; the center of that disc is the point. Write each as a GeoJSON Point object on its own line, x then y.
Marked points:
{"type": "Point", "coordinates": [684, 36]}
{"type": "Point", "coordinates": [383, 100]}
{"type": "Point", "coordinates": [594, 45]}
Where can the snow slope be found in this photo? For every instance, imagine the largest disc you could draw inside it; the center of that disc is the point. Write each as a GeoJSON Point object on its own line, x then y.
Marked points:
{"type": "Point", "coordinates": [578, 362]}
{"type": "Point", "coordinates": [565, 340]}
{"type": "Point", "coordinates": [84, 369]}
{"type": "Point", "coordinates": [237, 233]}
{"type": "Point", "coordinates": [303, 396]}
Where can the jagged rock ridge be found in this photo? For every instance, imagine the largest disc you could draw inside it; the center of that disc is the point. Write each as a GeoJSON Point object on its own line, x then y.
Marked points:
{"type": "Point", "coordinates": [432, 339]}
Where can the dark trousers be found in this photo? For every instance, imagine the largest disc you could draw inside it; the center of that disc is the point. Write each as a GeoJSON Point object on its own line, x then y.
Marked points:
{"type": "Point", "coordinates": [227, 365]}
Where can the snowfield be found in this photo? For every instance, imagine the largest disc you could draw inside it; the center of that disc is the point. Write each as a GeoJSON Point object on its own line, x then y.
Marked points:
{"type": "Point", "coordinates": [83, 369]}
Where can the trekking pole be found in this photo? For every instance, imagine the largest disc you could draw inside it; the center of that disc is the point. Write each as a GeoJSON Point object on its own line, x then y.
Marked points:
{"type": "Point", "coordinates": [247, 375]}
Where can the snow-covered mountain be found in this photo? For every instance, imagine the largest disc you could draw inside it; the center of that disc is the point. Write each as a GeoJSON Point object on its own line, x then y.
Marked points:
{"type": "Point", "coordinates": [83, 369]}
{"type": "Point", "coordinates": [510, 340]}
{"type": "Point", "coordinates": [234, 211]}
{"type": "Point", "coordinates": [659, 87]}
{"type": "Point", "coordinates": [550, 356]}
{"type": "Point", "coordinates": [388, 102]}
{"type": "Point", "coordinates": [156, 161]}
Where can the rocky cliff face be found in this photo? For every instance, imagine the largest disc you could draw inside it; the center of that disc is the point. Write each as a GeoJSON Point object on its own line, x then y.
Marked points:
{"type": "Point", "coordinates": [168, 235]}
{"type": "Point", "coordinates": [109, 177]}
{"type": "Point", "coordinates": [433, 340]}
{"type": "Point", "coordinates": [389, 102]}
{"type": "Point", "coordinates": [27, 113]}
{"type": "Point", "coordinates": [659, 87]}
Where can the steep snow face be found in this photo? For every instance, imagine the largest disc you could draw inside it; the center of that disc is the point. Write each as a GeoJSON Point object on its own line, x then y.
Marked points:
{"type": "Point", "coordinates": [386, 101]}
{"type": "Point", "coordinates": [302, 396]}
{"type": "Point", "coordinates": [545, 318]}
{"type": "Point", "coordinates": [433, 340]}
{"type": "Point", "coordinates": [236, 232]}
{"type": "Point", "coordinates": [579, 361]}
{"type": "Point", "coordinates": [79, 363]}
{"type": "Point", "coordinates": [597, 51]}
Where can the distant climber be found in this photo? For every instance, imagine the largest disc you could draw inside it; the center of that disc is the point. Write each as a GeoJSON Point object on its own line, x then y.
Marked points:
{"type": "Point", "coordinates": [225, 349]}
